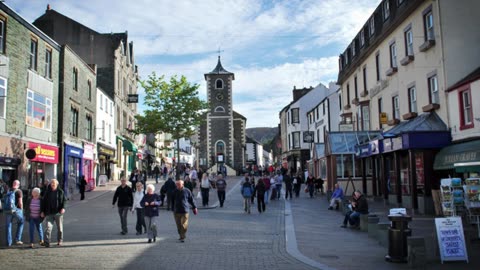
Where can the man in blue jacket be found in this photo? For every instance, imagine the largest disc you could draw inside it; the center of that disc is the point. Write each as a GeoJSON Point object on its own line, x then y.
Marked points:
{"type": "Point", "coordinates": [182, 197]}
{"type": "Point", "coordinates": [337, 197]}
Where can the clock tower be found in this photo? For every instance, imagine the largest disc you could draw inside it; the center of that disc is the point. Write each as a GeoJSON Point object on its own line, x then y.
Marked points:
{"type": "Point", "coordinates": [220, 142]}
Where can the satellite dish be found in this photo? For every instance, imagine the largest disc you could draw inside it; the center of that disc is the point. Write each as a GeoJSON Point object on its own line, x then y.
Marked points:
{"type": "Point", "coordinates": [30, 153]}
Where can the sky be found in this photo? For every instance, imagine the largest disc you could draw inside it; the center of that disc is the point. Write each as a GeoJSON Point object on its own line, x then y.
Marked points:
{"type": "Point", "coordinates": [271, 46]}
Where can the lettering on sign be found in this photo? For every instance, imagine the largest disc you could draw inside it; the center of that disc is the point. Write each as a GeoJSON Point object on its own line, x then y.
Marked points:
{"type": "Point", "coordinates": [451, 240]}
{"type": "Point", "coordinates": [466, 156]}
{"type": "Point", "coordinates": [44, 152]}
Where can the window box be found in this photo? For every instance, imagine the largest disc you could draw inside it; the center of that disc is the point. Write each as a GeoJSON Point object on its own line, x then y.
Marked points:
{"type": "Point", "coordinates": [355, 101]}
{"type": "Point", "coordinates": [393, 122]}
{"type": "Point", "coordinates": [431, 107]}
{"type": "Point", "coordinates": [409, 115]}
{"type": "Point", "coordinates": [427, 45]}
{"type": "Point", "coordinates": [407, 60]}
{"type": "Point", "coordinates": [364, 93]}
{"type": "Point", "coordinates": [391, 71]}
{"type": "Point", "coordinates": [347, 107]}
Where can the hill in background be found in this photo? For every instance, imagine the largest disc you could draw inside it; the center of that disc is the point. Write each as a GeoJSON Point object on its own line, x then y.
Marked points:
{"type": "Point", "coordinates": [263, 135]}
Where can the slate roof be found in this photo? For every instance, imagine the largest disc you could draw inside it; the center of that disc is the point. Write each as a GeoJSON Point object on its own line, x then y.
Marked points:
{"type": "Point", "coordinates": [429, 121]}
{"type": "Point", "coordinates": [219, 70]}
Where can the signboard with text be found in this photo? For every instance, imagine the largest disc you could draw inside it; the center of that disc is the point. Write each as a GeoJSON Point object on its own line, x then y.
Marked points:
{"type": "Point", "coordinates": [44, 153]}
{"type": "Point", "coordinates": [451, 240]}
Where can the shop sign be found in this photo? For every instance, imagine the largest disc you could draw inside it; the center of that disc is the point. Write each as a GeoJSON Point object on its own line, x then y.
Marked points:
{"type": "Point", "coordinates": [383, 118]}
{"type": "Point", "coordinates": [105, 151]}
{"type": "Point", "coordinates": [392, 144]}
{"type": "Point", "coordinates": [88, 151]}
{"type": "Point", "coordinates": [451, 240]}
{"type": "Point", "coordinates": [45, 153]}
{"type": "Point", "coordinates": [345, 127]}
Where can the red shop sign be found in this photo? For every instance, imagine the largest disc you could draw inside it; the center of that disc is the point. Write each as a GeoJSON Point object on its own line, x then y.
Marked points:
{"type": "Point", "coordinates": [45, 153]}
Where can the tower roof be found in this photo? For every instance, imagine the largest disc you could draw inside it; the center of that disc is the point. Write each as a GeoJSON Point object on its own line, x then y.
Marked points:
{"type": "Point", "coordinates": [219, 70]}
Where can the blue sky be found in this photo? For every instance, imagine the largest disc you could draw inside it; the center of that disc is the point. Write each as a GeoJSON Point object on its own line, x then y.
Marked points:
{"type": "Point", "coordinates": [271, 46]}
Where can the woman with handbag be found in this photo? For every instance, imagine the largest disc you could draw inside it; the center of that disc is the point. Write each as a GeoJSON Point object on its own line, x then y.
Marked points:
{"type": "Point", "coordinates": [32, 213]}
{"type": "Point", "coordinates": [150, 203]}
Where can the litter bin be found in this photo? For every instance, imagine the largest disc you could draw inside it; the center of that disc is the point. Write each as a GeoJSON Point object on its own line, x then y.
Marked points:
{"type": "Point", "coordinates": [397, 238]}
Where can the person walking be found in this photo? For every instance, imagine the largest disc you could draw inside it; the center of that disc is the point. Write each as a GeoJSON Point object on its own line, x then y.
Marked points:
{"type": "Point", "coordinates": [310, 185]}
{"type": "Point", "coordinates": [32, 213]}
{"type": "Point", "coordinates": [247, 192]}
{"type": "Point", "coordinates": [53, 209]}
{"type": "Point", "coordinates": [288, 185]}
{"type": "Point", "coordinates": [13, 209]}
{"type": "Point", "coordinates": [205, 189]}
{"type": "Point", "coordinates": [156, 172]}
{"type": "Point", "coordinates": [124, 195]}
{"type": "Point", "coordinates": [82, 186]}
{"type": "Point", "coordinates": [137, 207]}
{"type": "Point", "coordinates": [260, 189]}
{"type": "Point", "coordinates": [278, 183]}
{"type": "Point", "coordinates": [266, 182]}
{"type": "Point", "coordinates": [221, 186]}
{"type": "Point", "coordinates": [169, 190]}
{"type": "Point", "coordinates": [134, 178]}
{"type": "Point", "coordinates": [182, 197]}
{"type": "Point", "coordinates": [150, 202]}
{"type": "Point", "coordinates": [188, 183]}
{"type": "Point", "coordinates": [297, 184]}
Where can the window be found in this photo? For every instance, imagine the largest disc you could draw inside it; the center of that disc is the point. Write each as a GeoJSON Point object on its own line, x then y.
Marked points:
{"type": "Point", "coordinates": [364, 71]}
{"type": "Point", "coordinates": [39, 110]}
{"type": "Point", "coordinates": [118, 118]}
{"type": "Point", "coordinates": [111, 108]}
{"type": "Point", "coordinates": [386, 10]}
{"type": "Point", "coordinates": [409, 42]}
{"type": "Point", "coordinates": [377, 66]}
{"type": "Point", "coordinates": [48, 63]}
{"type": "Point", "coordinates": [89, 86]}
{"type": "Point", "coordinates": [109, 133]}
{"type": "Point", "coordinates": [348, 94]}
{"type": "Point", "coordinates": [89, 128]}
{"type": "Point", "coordinates": [219, 84]}
{"type": "Point", "coordinates": [296, 139]}
{"type": "Point", "coordinates": [346, 56]}
{"type": "Point", "coordinates": [396, 107]}
{"type": "Point", "coordinates": [106, 105]}
{"type": "Point", "coordinates": [316, 114]}
{"type": "Point", "coordinates": [372, 25]}
{"type": "Point", "coordinates": [289, 142]}
{"type": "Point", "coordinates": [3, 97]}
{"type": "Point", "coordinates": [101, 102]}
{"type": "Point", "coordinates": [125, 86]}
{"type": "Point", "coordinates": [2, 35]}
{"type": "Point", "coordinates": [295, 115]}
{"type": "Point", "coordinates": [219, 109]}
{"type": "Point", "coordinates": [365, 117]}
{"type": "Point", "coordinates": [433, 90]}
{"type": "Point", "coordinates": [340, 102]}
{"type": "Point", "coordinates": [393, 55]}
{"type": "Point", "coordinates": [33, 54]}
{"type": "Point", "coordinates": [75, 79]}
{"type": "Point", "coordinates": [353, 49]}
{"type": "Point", "coordinates": [380, 110]}
{"type": "Point", "coordinates": [323, 108]}
{"type": "Point", "coordinates": [103, 130]}
{"type": "Point", "coordinates": [362, 38]}
{"type": "Point", "coordinates": [220, 147]}
{"type": "Point", "coordinates": [355, 84]}
{"type": "Point", "coordinates": [466, 114]}
{"type": "Point", "coordinates": [412, 99]}
{"type": "Point", "coordinates": [428, 25]}
{"type": "Point", "coordinates": [74, 121]}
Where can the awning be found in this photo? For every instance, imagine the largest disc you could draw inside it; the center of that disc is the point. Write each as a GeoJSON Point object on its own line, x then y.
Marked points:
{"type": "Point", "coordinates": [128, 145]}
{"type": "Point", "coordinates": [463, 156]}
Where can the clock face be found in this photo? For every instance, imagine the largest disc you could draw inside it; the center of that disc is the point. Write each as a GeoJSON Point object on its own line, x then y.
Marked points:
{"type": "Point", "coordinates": [219, 97]}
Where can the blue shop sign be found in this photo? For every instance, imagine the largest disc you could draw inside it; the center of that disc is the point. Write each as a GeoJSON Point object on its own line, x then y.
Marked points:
{"type": "Point", "coordinates": [363, 150]}
{"type": "Point", "coordinates": [376, 147]}
{"type": "Point", "coordinates": [73, 151]}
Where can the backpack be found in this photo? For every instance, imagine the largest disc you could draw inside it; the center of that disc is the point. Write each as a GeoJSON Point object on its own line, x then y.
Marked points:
{"type": "Point", "coordinates": [8, 203]}
{"type": "Point", "coordinates": [247, 191]}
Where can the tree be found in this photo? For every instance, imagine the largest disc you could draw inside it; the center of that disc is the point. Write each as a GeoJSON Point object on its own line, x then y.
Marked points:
{"type": "Point", "coordinates": [172, 107]}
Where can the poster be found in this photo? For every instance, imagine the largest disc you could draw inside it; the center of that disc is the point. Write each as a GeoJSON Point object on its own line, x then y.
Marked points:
{"type": "Point", "coordinates": [451, 240]}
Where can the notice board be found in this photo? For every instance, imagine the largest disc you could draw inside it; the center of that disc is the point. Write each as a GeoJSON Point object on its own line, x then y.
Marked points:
{"type": "Point", "coordinates": [451, 240]}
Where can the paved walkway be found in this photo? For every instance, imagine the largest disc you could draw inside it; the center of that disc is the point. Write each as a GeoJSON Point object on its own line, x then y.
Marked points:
{"type": "Point", "coordinates": [294, 234]}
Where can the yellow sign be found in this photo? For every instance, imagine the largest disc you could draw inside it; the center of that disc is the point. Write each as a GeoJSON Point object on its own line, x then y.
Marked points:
{"type": "Point", "coordinates": [383, 118]}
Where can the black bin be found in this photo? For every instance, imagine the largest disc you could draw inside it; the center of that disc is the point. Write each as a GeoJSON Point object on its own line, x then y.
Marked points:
{"type": "Point", "coordinates": [397, 238]}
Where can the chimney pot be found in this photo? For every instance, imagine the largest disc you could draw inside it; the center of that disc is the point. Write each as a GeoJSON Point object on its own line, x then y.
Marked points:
{"type": "Point", "coordinates": [48, 6]}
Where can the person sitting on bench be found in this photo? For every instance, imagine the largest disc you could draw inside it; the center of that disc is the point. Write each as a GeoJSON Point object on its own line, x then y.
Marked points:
{"type": "Point", "coordinates": [359, 207]}
{"type": "Point", "coordinates": [336, 198]}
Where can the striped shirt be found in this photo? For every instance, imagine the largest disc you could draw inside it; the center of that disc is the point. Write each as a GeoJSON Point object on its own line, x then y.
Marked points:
{"type": "Point", "coordinates": [35, 208]}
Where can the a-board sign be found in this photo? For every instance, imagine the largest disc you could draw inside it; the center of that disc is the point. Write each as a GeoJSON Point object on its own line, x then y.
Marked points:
{"type": "Point", "coordinates": [451, 240]}
{"type": "Point", "coordinates": [102, 180]}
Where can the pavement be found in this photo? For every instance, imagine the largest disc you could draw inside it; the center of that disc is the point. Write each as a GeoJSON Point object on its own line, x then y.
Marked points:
{"type": "Point", "coordinates": [291, 234]}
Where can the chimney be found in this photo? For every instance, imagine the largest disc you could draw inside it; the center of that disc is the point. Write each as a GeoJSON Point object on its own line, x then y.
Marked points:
{"type": "Point", "coordinates": [48, 7]}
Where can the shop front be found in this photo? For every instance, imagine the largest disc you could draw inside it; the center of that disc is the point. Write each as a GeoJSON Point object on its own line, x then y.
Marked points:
{"type": "Point", "coordinates": [130, 156]}
{"type": "Point", "coordinates": [369, 154]}
{"type": "Point", "coordinates": [89, 164]}
{"type": "Point", "coordinates": [44, 165]}
{"type": "Point", "coordinates": [9, 169]}
{"type": "Point", "coordinates": [106, 159]}
{"type": "Point", "coordinates": [319, 161]}
{"type": "Point", "coordinates": [73, 159]}
{"type": "Point", "coordinates": [461, 159]}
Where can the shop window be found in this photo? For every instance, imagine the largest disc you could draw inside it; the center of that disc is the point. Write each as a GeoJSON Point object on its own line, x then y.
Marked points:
{"type": "Point", "coordinates": [391, 175]}
{"type": "Point", "coordinates": [39, 111]}
{"type": "Point", "coordinates": [404, 175]}
{"type": "Point", "coordinates": [3, 97]}
{"type": "Point", "coordinates": [420, 173]}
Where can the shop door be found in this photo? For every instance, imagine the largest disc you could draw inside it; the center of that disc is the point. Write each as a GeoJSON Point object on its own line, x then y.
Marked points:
{"type": "Point", "coordinates": [73, 174]}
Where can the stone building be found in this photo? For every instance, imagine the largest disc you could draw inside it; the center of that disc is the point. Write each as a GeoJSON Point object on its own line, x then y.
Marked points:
{"type": "Point", "coordinates": [222, 137]}
{"type": "Point", "coordinates": [117, 75]}
{"type": "Point", "coordinates": [29, 86]}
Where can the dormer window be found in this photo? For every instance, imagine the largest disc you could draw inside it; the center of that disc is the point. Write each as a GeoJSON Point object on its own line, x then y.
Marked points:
{"type": "Point", "coordinates": [219, 84]}
{"type": "Point", "coordinates": [372, 26]}
{"type": "Point", "coordinates": [353, 49]}
{"type": "Point", "coordinates": [362, 38]}
{"type": "Point", "coordinates": [386, 10]}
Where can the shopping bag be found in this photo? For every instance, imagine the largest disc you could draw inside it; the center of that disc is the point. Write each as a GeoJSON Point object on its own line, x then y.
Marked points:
{"type": "Point", "coordinates": [199, 195]}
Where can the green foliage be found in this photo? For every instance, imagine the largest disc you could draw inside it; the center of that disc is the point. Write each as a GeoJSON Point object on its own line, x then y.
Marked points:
{"type": "Point", "coordinates": [172, 107]}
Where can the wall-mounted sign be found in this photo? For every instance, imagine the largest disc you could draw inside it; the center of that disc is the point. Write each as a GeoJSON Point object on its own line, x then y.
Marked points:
{"type": "Point", "coordinates": [132, 98]}
{"type": "Point", "coordinates": [44, 153]}
{"type": "Point", "coordinates": [308, 136]}
{"type": "Point", "coordinates": [383, 118]}
{"type": "Point", "coordinates": [345, 127]}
